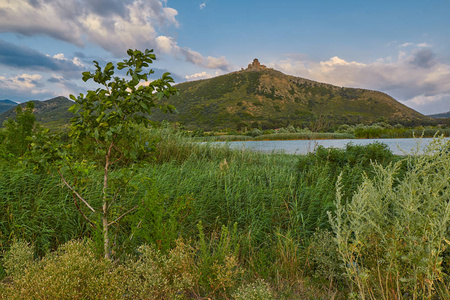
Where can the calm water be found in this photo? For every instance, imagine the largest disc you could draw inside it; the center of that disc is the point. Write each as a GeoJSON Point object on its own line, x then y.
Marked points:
{"type": "Point", "coordinates": [397, 146]}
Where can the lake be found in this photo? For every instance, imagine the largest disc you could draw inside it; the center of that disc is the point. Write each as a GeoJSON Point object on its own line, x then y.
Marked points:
{"type": "Point", "coordinates": [397, 146]}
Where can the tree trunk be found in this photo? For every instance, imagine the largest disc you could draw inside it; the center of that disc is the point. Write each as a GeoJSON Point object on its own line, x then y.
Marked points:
{"type": "Point", "coordinates": [106, 243]}
{"type": "Point", "coordinates": [106, 231]}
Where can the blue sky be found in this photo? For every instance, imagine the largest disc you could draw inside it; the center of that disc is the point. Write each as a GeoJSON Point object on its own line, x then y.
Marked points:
{"type": "Point", "coordinates": [398, 47]}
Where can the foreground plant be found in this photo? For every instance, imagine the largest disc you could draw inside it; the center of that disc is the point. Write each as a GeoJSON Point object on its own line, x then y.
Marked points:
{"type": "Point", "coordinates": [189, 270]}
{"type": "Point", "coordinates": [392, 235]}
{"type": "Point", "coordinates": [73, 271]}
{"type": "Point", "coordinates": [105, 123]}
{"type": "Point", "coordinates": [17, 132]}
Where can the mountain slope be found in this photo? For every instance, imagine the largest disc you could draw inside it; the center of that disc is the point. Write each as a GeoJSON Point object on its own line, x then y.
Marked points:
{"type": "Point", "coordinates": [51, 113]}
{"type": "Point", "coordinates": [6, 105]}
{"type": "Point", "coordinates": [442, 115]}
{"type": "Point", "coordinates": [259, 96]}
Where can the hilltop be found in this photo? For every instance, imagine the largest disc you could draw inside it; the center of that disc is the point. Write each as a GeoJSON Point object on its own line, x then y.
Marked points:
{"type": "Point", "coordinates": [51, 113]}
{"type": "Point", "coordinates": [263, 97]}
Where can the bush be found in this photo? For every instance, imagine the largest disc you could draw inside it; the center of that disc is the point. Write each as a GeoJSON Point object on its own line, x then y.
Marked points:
{"type": "Point", "coordinates": [324, 257]}
{"type": "Point", "coordinates": [317, 176]}
{"type": "Point", "coordinates": [74, 271]}
{"type": "Point", "coordinates": [393, 233]}
{"type": "Point", "coordinates": [19, 256]}
{"type": "Point", "coordinates": [255, 132]}
{"type": "Point", "coordinates": [259, 290]}
{"type": "Point", "coordinates": [160, 276]}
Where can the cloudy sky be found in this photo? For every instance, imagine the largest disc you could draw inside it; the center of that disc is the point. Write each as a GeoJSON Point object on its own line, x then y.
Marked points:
{"type": "Point", "coordinates": [396, 46]}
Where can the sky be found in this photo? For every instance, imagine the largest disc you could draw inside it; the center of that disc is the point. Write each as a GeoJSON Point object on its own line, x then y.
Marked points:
{"type": "Point", "coordinates": [398, 47]}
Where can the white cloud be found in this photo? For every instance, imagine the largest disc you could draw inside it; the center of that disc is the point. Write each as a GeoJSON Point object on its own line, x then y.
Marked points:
{"type": "Point", "coordinates": [424, 45]}
{"type": "Point", "coordinates": [420, 45]}
{"type": "Point", "coordinates": [190, 55]}
{"type": "Point", "coordinates": [415, 78]}
{"type": "Point", "coordinates": [168, 45]}
{"type": "Point", "coordinates": [196, 76]}
{"type": "Point", "coordinates": [59, 56]}
{"type": "Point", "coordinates": [203, 5]}
{"type": "Point", "coordinates": [421, 100]}
{"type": "Point", "coordinates": [216, 63]}
{"type": "Point", "coordinates": [115, 26]}
{"type": "Point", "coordinates": [30, 83]}
{"type": "Point", "coordinates": [336, 61]}
{"type": "Point", "coordinates": [406, 44]}
{"type": "Point", "coordinates": [165, 44]}
{"type": "Point", "coordinates": [76, 61]}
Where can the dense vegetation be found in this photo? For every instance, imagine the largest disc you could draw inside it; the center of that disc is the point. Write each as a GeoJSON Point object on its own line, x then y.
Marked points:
{"type": "Point", "coordinates": [268, 99]}
{"type": "Point", "coordinates": [52, 113]}
{"type": "Point", "coordinates": [379, 130]}
{"type": "Point", "coordinates": [225, 222]}
{"type": "Point", "coordinates": [152, 214]}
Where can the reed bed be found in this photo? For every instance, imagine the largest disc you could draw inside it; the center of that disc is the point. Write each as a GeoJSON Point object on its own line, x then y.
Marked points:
{"type": "Point", "coordinates": [191, 195]}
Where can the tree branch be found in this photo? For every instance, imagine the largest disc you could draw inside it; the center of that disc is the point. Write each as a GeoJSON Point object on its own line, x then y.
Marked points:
{"type": "Point", "coordinates": [119, 189]}
{"type": "Point", "coordinates": [123, 215]}
{"type": "Point", "coordinates": [81, 212]}
{"type": "Point", "coordinates": [73, 191]}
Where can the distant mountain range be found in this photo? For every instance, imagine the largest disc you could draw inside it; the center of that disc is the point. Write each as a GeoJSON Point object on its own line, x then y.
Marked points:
{"type": "Point", "coordinates": [262, 97]}
{"type": "Point", "coordinates": [258, 97]}
{"type": "Point", "coordinates": [442, 115]}
{"type": "Point", "coordinates": [6, 105]}
{"type": "Point", "coordinates": [50, 113]}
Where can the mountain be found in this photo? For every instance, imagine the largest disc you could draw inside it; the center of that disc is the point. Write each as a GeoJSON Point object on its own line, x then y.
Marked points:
{"type": "Point", "coordinates": [6, 105]}
{"type": "Point", "coordinates": [442, 115]}
{"type": "Point", "coordinates": [263, 97]}
{"type": "Point", "coordinates": [50, 113]}
{"type": "Point", "coordinates": [259, 97]}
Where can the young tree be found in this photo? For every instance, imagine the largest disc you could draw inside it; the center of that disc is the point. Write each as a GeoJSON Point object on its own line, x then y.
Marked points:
{"type": "Point", "coordinates": [108, 116]}
{"type": "Point", "coordinates": [19, 129]}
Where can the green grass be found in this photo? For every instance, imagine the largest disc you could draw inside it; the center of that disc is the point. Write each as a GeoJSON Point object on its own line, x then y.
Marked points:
{"type": "Point", "coordinates": [278, 204]}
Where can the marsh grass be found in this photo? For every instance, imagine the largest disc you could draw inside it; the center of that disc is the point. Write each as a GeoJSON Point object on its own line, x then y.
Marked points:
{"type": "Point", "coordinates": [36, 209]}
{"type": "Point", "coordinates": [224, 217]}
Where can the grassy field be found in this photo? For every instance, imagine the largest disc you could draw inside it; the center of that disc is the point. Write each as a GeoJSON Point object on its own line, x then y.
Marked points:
{"type": "Point", "coordinates": [219, 223]}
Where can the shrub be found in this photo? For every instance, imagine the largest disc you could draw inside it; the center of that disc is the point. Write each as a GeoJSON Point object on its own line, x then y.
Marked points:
{"type": "Point", "coordinates": [18, 258]}
{"type": "Point", "coordinates": [324, 257]}
{"type": "Point", "coordinates": [159, 276]}
{"type": "Point", "coordinates": [255, 132]}
{"type": "Point", "coordinates": [392, 234]}
{"type": "Point", "coordinates": [199, 269]}
{"type": "Point", "coordinates": [259, 290]}
{"type": "Point", "coordinates": [74, 271]}
{"type": "Point", "coordinates": [317, 176]}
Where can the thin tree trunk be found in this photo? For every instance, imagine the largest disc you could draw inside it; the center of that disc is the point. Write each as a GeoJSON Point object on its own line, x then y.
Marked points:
{"type": "Point", "coordinates": [106, 231]}
{"type": "Point", "coordinates": [106, 243]}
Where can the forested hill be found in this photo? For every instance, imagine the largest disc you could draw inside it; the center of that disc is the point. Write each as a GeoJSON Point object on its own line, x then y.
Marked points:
{"type": "Point", "coordinates": [53, 112]}
{"type": "Point", "coordinates": [442, 115]}
{"type": "Point", "coordinates": [263, 97]}
{"type": "Point", "coordinates": [6, 105]}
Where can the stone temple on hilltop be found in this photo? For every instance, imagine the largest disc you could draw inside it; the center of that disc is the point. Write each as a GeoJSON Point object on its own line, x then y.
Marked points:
{"type": "Point", "coordinates": [255, 65]}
